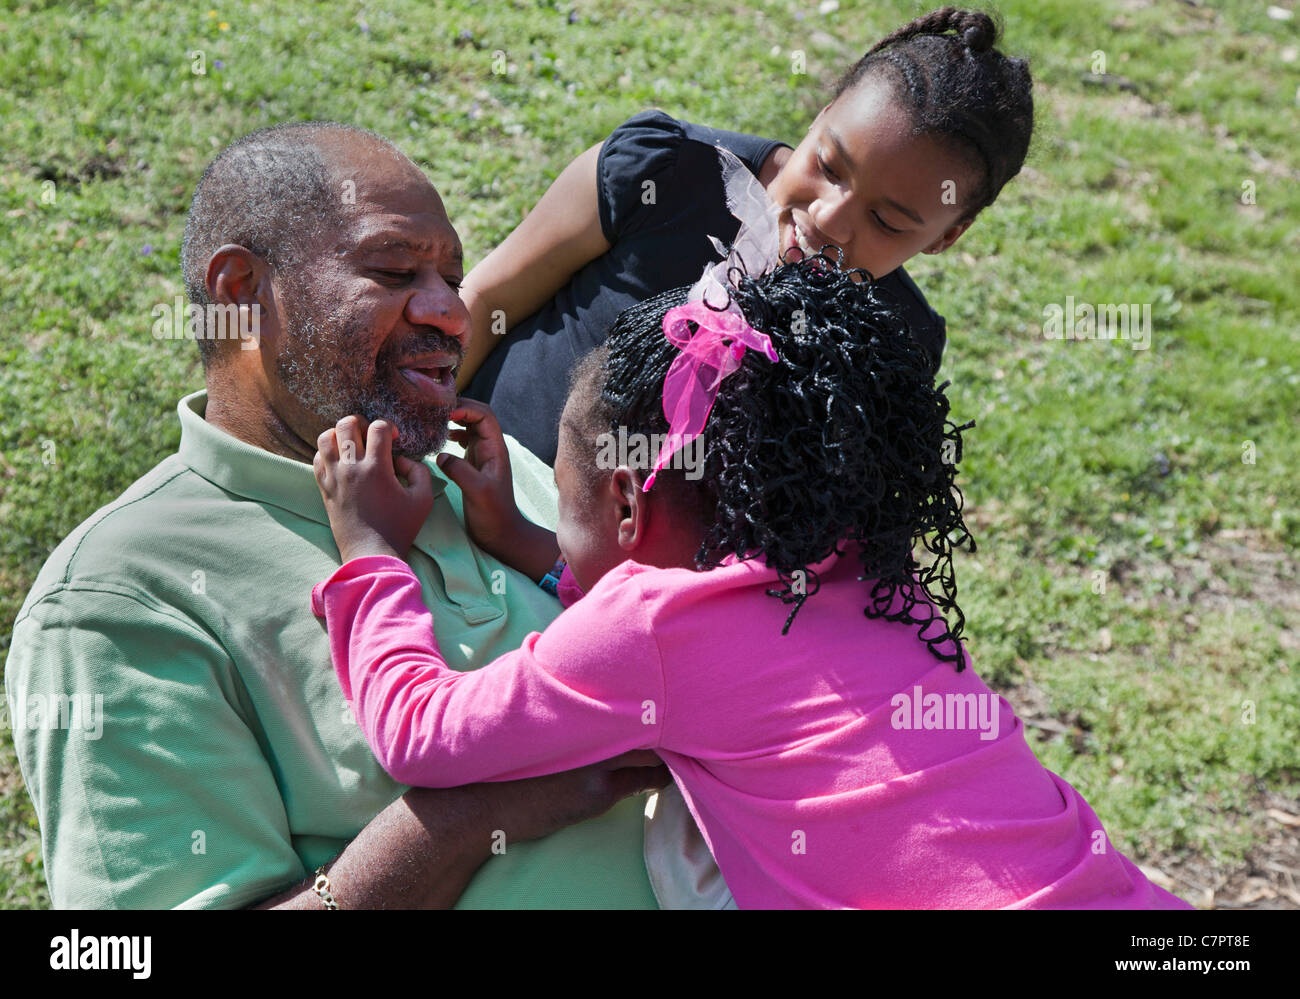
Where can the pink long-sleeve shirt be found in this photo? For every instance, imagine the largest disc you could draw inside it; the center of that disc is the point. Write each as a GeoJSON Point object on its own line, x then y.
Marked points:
{"type": "Point", "coordinates": [838, 766]}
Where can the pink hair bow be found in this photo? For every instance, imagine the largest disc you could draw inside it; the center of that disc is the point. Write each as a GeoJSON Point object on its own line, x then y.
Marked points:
{"type": "Point", "coordinates": [719, 344]}
{"type": "Point", "coordinates": [691, 385]}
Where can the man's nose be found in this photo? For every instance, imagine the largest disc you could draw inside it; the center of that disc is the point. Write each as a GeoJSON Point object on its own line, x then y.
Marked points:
{"type": "Point", "coordinates": [436, 304]}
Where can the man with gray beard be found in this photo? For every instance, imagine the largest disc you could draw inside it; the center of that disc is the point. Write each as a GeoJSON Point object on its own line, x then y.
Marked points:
{"type": "Point", "coordinates": [229, 770]}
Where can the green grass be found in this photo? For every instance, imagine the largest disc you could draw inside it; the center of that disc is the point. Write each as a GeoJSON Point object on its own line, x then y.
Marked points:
{"type": "Point", "coordinates": [1089, 457]}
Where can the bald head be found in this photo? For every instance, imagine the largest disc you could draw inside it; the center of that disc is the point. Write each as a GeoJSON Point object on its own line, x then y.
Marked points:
{"type": "Point", "coordinates": [276, 191]}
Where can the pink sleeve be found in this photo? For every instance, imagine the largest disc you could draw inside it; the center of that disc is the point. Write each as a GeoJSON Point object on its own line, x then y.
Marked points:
{"type": "Point", "coordinates": [589, 688]}
{"type": "Point", "coordinates": [569, 590]}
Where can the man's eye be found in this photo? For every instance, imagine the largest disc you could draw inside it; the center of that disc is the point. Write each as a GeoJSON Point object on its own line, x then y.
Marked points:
{"type": "Point", "coordinates": [397, 275]}
{"type": "Point", "coordinates": [829, 173]}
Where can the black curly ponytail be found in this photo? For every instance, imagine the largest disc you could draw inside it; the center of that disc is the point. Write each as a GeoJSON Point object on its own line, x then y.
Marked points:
{"type": "Point", "coordinates": [845, 439]}
{"type": "Point", "coordinates": [958, 87]}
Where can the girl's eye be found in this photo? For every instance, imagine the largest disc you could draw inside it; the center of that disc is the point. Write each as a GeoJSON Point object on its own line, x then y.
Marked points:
{"type": "Point", "coordinates": [827, 171]}
{"type": "Point", "coordinates": [881, 222]}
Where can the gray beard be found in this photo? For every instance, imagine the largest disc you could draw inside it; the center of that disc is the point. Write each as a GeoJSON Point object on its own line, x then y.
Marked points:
{"type": "Point", "coordinates": [335, 390]}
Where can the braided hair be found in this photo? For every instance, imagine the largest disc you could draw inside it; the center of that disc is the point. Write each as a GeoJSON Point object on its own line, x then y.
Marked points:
{"type": "Point", "coordinates": [960, 89]}
{"type": "Point", "coordinates": [845, 439]}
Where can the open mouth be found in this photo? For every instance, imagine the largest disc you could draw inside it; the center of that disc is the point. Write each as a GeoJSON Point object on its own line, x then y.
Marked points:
{"type": "Point", "coordinates": [803, 242]}
{"type": "Point", "coordinates": [430, 378]}
{"type": "Point", "coordinates": [796, 239]}
{"type": "Point", "coordinates": [433, 376]}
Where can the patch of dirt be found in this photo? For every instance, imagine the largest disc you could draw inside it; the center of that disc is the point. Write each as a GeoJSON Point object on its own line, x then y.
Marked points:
{"type": "Point", "coordinates": [1269, 878]}
{"type": "Point", "coordinates": [112, 162]}
{"type": "Point", "coordinates": [1224, 559]}
{"type": "Point", "coordinates": [1031, 706]}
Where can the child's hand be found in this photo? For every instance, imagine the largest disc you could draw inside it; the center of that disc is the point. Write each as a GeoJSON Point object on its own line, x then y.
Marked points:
{"type": "Point", "coordinates": [371, 512]}
{"type": "Point", "coordinates": [491, 516]}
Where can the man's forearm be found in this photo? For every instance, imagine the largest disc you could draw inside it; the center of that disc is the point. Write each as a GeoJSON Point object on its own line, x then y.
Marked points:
{"type": "Point", "coordinates": [421, 851]}
{"type": "Point", "coordinates": [418, 853]}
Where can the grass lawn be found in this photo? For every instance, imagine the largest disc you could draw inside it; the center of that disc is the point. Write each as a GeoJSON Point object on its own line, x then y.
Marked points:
{"type": "Point", "coordinates": [1135, 592]}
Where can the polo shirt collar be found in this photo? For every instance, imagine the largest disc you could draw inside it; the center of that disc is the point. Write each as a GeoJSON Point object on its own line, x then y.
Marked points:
{"type": "Point", "coordinates": [259, 475]}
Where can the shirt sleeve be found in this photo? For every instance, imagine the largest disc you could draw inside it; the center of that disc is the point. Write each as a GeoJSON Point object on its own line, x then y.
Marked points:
{"type": "Point", "coordinates": [589, 688]}
{"type": "Point", "coordinates": [636, 161]}
{"type": "Point", "coordinates": [152, 792]}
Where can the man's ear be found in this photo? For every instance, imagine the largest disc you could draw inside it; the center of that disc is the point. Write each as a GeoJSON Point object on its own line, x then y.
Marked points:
{"type": "Point", "coordinates": [238, 276]}
{"type": "Point", "coordinates": [632, 508]}
{"type": "Point", "coordinates": [948, 238]}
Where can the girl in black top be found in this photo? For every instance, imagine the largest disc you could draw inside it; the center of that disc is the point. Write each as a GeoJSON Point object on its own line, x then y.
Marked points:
{"type": "Point", "coordinates": [919, 137]}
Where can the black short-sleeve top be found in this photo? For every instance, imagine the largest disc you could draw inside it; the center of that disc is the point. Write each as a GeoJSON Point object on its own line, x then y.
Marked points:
{"type": "Point", "coordinates": [660, 196]}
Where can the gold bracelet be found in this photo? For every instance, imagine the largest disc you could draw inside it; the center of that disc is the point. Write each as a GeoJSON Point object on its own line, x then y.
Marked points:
{"type": "Point", "coordinates": [322, 888]}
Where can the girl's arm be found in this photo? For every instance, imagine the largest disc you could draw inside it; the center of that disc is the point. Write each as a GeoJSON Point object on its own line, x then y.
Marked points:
{"type": "Point", "coordinates": [554, 241]}
{"type": "Point", "coordinates": [588, 688]}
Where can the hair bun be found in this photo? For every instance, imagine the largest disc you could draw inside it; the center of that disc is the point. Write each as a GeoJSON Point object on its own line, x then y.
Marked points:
{"type": "Point", "coordinates": [979, 35]}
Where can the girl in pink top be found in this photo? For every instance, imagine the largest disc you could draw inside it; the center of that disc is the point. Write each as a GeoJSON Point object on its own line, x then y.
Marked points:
{"type": "Point", "coordinates": [752, 612]}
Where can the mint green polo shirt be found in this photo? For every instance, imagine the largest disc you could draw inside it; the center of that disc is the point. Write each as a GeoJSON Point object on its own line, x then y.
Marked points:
{"type": "Point", "coordinates": [176, 715]}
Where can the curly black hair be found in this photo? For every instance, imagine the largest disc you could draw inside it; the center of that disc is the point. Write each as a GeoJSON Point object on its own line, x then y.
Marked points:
{"type": "Point", "coordinates": [845, 439]}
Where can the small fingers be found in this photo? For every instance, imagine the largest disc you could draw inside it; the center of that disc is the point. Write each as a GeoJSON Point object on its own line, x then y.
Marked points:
{"type": "Point", "coordinates": [379, 442]}
{"type": "Point", "coordinates": [324, 479]}
{"type": "Point", "coordinates": [477, 416]}
{"type": "Point", "coordinates": [419, 480]}
{"type": "Point", "coordinates": [327, 446]}
{"type": "Point", "coordinates": [460, 472]}
{"type": "Point", "coordinates": [351, 442]}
